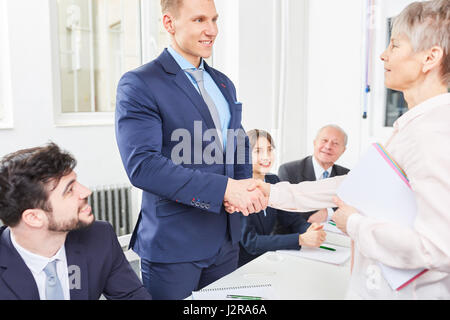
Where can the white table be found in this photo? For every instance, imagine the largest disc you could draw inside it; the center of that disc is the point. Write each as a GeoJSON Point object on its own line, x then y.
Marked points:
{"type": "Point", "coordinates": [292, 278]}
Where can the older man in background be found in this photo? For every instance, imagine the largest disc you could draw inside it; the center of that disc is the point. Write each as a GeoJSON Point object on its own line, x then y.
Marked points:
{"type": "Point", "coordinates": [329, 145]}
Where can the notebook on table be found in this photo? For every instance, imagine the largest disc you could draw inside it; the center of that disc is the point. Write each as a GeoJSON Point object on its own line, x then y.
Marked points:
{"type": "Point", "coordinates": [247, 292]}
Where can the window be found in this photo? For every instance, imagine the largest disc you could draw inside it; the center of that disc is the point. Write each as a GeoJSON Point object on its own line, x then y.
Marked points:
{"type": "Point", "coordinates": [396, 105]}
{"type": "Point", "coordinates": [97, 41]}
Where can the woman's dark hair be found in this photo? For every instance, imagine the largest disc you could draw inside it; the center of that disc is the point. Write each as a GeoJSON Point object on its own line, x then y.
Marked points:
{"type": "Point", "coordinates": [255, 134]}
{"type": "Point", "coordinates": [27, 176]}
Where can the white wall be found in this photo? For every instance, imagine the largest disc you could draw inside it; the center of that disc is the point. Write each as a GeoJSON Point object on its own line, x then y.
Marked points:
{"type": "Point", "coordinates": [335, 71]}
{"type": "Point", "coordinates": [300, 66]}
{"type": "Point", "coordinates": [261, 47]}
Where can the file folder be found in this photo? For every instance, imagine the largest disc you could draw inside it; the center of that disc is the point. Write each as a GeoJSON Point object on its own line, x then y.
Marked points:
{"type": "Point", "coordinates": [380, 189]}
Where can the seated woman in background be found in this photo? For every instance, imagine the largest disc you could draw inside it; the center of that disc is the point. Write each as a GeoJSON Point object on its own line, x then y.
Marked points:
{"type": "Point", "coordinates": [258, 229]}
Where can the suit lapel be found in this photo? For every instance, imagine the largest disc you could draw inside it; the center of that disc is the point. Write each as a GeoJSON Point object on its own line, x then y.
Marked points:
{"type": "Point", "coordinates": [225, 92]}
{"type": "Point", "coordinates": [181, 80]}
{"type": "Point", "coordinates": [308, 171]}
{"type": "Point", "coordinates": [78, 269]}
{"type": "Point", "coordinates": [16, 275]}
{"type": "Point", "coordinates": [333, 172]}
{"type": "Point", "coordinates": [185, 85]}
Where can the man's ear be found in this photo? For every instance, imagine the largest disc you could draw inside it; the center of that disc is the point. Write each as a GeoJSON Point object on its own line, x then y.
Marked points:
{"type": "Point", "coordinates": [433, 58]}
{"type": "Point", "coordinates": [168, 22]}
{"type": "Point", "coordinates": [34, 218]}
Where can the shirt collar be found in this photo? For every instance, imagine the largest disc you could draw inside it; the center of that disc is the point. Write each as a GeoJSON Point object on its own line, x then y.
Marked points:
{"type": "Point", "coordinates": [35, 262]}
{"type": "Point", "coordinates": [318, 170]}
{"type": "Point", "coordinates": [182, 62]}
{"type": "Point", "coordinates": [422, 108]}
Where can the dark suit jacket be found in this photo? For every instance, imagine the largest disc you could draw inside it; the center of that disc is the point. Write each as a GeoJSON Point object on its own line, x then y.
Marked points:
{"type": "Point", "coordinates": [257, 231]}
{"type": "Point", "coordinates": [303, 170]}
{"type": "Point", "coordinates": [182, 216]}
{"type": "Point", "coordinates": [103, 268]}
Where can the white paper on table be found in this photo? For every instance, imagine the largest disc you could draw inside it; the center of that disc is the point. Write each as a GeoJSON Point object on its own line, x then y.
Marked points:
{"type": "Point", "coordinates": [341, 240]}
{"type": "Point", "coordinates": [331, 228]}
{"type": "Point", "coordinates": [340, 256]}
{"type": "Point", "coordinates": [380, 190]}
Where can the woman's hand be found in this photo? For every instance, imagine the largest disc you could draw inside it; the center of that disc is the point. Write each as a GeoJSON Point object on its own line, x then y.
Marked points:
{"type": "Point", "coordinates": [341, 215]}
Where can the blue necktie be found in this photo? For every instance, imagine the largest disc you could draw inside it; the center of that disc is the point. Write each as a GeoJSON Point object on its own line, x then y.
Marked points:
{"type": "Point", "coordinates": [325, 175]}
{"type": "Point", "coordinates": [53, 288]}
{"type": "Point", "coordinates": [197, 74]}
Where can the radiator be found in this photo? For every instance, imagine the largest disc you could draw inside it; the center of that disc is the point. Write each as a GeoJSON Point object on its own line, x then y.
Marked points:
{"type": "Point", "coordinates": [113, 204]}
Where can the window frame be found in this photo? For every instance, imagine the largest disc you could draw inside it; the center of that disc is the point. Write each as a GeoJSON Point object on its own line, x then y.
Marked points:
{"type": "Point", "coordinates": [75, 119]}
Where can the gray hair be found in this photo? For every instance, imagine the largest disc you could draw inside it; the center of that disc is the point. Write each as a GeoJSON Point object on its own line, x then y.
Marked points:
{"type": "Point", "coordinates": [334, 126]}
{"type": "Point", "coordinates": [427, 24]}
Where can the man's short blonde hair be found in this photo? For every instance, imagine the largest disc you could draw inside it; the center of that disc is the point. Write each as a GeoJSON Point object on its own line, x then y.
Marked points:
{"type": "Point", "coordinates": [170, 5]}
{"type": "Point", "coordinates": [427, 24]}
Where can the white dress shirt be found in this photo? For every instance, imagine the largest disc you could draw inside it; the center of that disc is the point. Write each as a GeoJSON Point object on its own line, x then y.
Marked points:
{"type": "Point", "coordinates": [318, 171]}
{"type": "Point", "coordinates": [37, 263]}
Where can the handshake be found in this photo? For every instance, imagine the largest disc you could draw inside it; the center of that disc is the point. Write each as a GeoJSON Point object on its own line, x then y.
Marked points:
{"type": "Point", "coordinates": [246, 196]}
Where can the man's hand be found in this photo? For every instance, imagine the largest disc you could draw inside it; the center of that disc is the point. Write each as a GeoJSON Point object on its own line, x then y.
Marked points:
{"type": "Point", "coordinates": [313, 237]}
{"type": "Point", "coordinates": [228, 207]}
{"type": "Point", "coordinates": [238, 197]}
{"type": "Point", "coordinates": [319, 217]}
{"type": "Point", "coordinates": [341, 215]}
{"type": "Point", "coordinates": [261, 185]}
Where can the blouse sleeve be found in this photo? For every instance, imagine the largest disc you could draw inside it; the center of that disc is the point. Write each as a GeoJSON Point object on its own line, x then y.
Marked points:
{"type": "Point", "coordinates": [305, 196]}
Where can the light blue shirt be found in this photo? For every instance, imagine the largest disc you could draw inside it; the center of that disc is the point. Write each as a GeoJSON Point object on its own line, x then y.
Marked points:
{"type": "Point", "coordinates": [37, 263]}
{"type": "Point", "coordinates": [213, 90]}
{"type": "Point", "coordinates": [318, 171]}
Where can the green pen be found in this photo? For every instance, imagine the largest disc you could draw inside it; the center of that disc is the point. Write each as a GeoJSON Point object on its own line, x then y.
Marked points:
{"type": "Point", "coordinates": [232, 296]}
{"type": "Point", "coordinates": [326, 248]}
{"type": "Point", "coordinates": [332, 223]}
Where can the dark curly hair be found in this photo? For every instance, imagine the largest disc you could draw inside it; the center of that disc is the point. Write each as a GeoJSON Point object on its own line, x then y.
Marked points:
{"type": "Point", "coordinates": [27, 177]}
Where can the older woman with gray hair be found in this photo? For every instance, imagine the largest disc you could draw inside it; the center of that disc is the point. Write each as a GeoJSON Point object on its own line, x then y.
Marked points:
{"type": "Point", "coordinates": [416, 63]}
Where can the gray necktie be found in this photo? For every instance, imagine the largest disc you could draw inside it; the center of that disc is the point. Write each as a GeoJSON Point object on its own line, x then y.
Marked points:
{"type": "Point", "coordinates": [197, 74]}
{"type": "Point", "coordinates": [53, 288]}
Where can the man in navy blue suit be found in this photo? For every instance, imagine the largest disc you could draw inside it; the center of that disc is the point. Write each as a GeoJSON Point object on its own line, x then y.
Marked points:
{"type": "Point", "coordinates": [179, 133]}
{"type": "Point", "coordinates": [50, 246]}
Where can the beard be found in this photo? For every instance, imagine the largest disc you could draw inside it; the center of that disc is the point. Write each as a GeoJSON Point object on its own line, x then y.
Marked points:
{"type": "Point", "coordinates": [68, 225]}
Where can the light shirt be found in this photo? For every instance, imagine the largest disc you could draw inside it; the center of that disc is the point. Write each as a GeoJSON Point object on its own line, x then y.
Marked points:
{"type": "Point", "coordinates": [420, 145]}
{"type": "Point", "coordinates": [37, 263]}
{"type": "Point", "coordinates": [318, 171]}
{"type": "Point", "coordinates": [210, 86]}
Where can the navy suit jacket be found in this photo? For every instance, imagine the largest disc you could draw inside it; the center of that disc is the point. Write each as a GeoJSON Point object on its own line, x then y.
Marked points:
{"type": "Point", "coordinates": [258, 231]}
{"type": "Point", "coordinates": [103, 268]}
{"type": "Point", "coordinates": [182, 217]}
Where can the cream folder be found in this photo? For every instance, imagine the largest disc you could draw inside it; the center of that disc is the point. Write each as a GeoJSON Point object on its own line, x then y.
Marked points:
{"type": "Point", "coordinates": [380, 189]}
